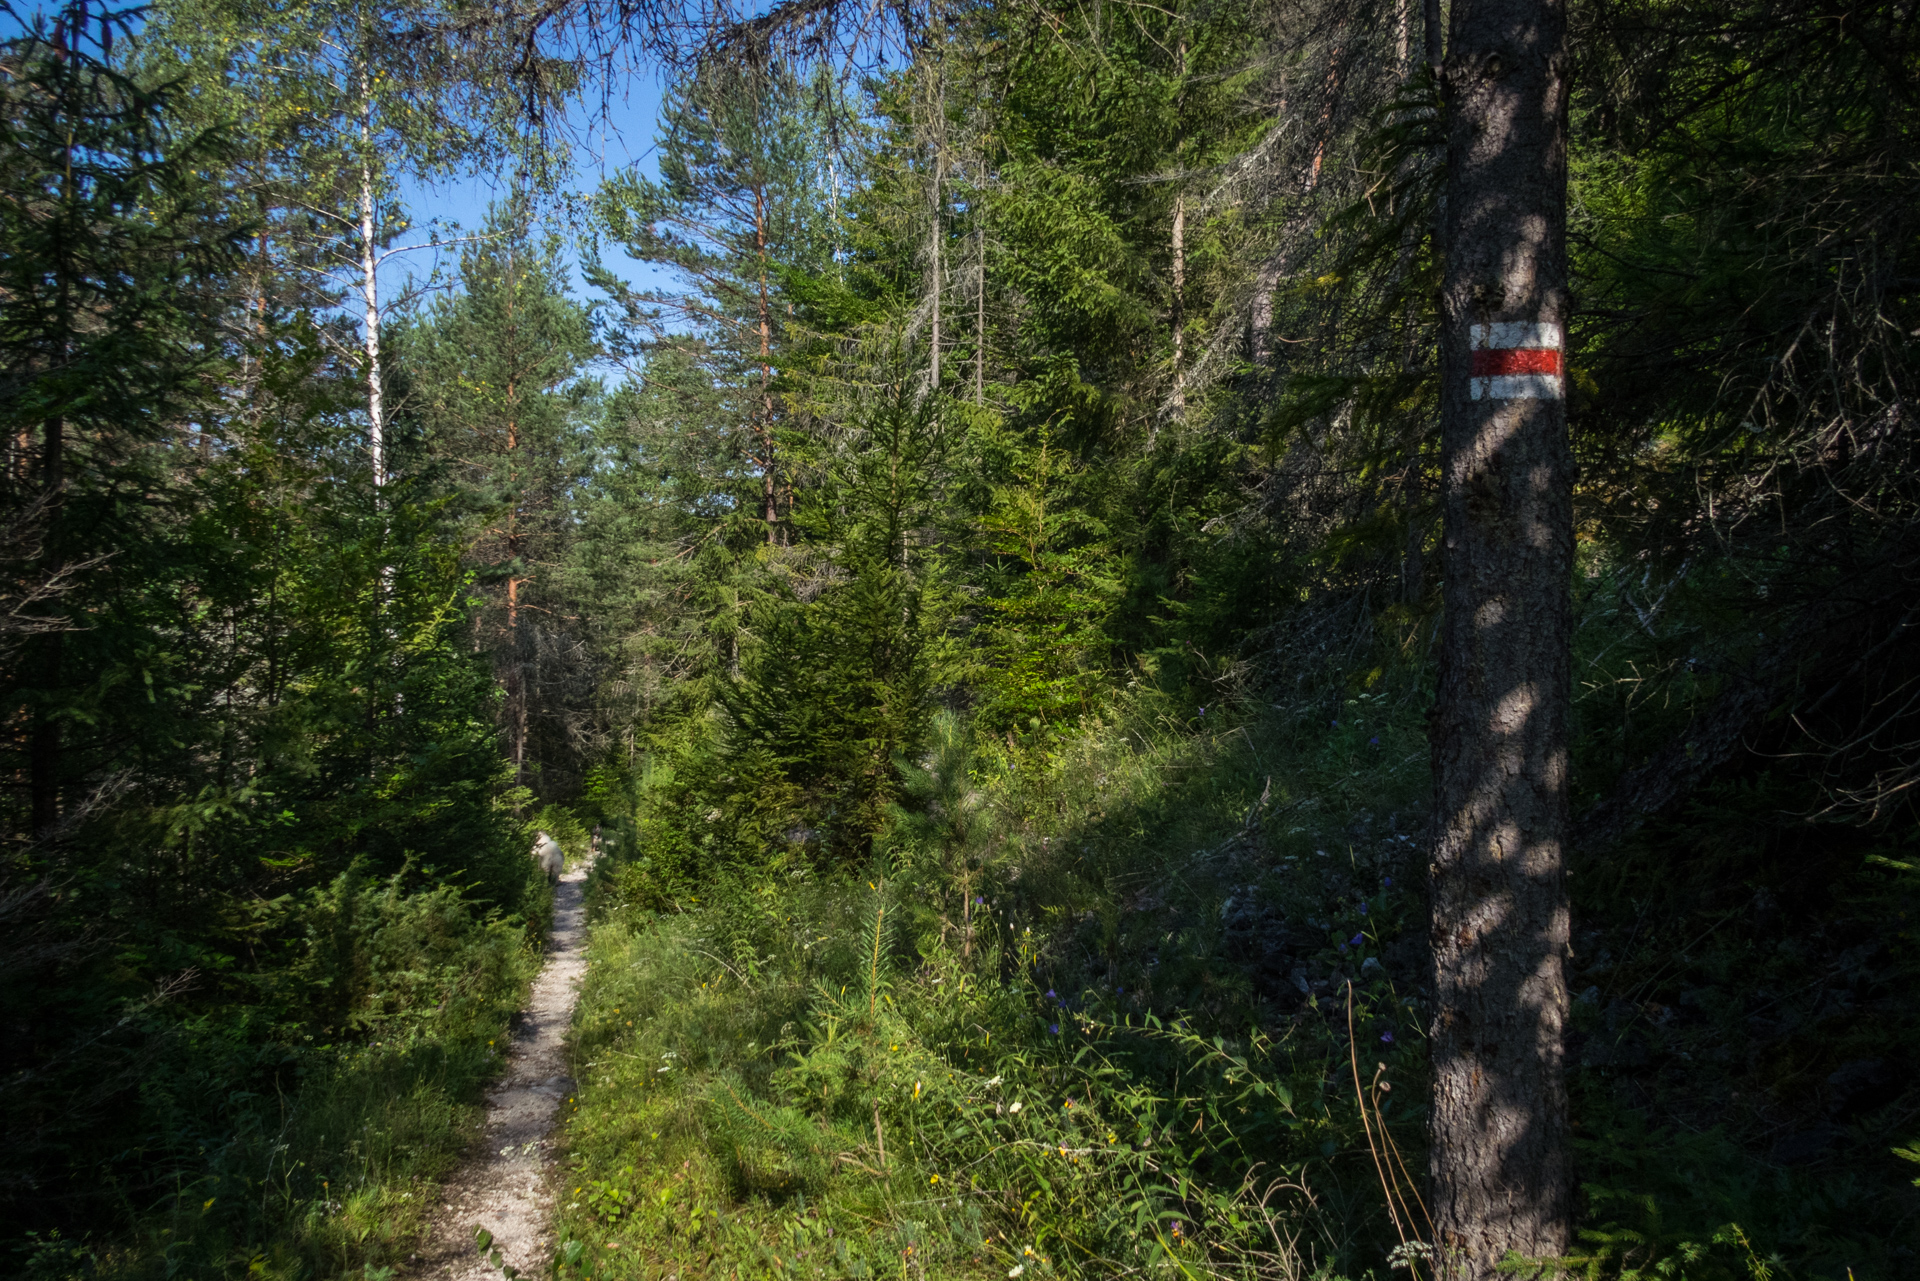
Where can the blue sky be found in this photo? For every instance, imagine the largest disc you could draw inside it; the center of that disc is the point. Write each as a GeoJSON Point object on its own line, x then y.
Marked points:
{"type": "Point", "coordinates": [623, 135]}
{"type": "Point", "coordinates": [610, 140]}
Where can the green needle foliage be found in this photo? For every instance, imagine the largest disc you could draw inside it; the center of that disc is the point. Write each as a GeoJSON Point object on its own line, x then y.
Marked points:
{"type": "Point", "coordinates": [969, 559]}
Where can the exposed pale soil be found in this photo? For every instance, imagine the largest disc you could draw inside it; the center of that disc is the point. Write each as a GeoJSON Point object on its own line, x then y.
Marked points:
{"type": "Point", "coordinates": [507, 1182]}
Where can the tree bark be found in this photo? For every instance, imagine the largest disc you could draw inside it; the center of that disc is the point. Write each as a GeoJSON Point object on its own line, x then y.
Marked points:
{"type": "Point", "coordinates": [980, 326]}
{"type": "Point", "coordinates": [936, 194]}
{"type": "Point", "coordinates": [933, 256]}
{"type": "Point", "coordinates": [370, 293]}
{"type": "Point", "coordinates": [1501, 1163]}
{"type": "Point", "coordinates": [44, 748]}
{"type": "Point", "coordinates": [769, 484]}
{"type": "Point", "coordinates": [1178, 318]}
{"type": "Point", "coordinates": [44, 743]}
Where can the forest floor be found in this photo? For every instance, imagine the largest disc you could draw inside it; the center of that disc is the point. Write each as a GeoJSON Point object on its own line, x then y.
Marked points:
{"type": "Point", "coordinates": [506, 1185]}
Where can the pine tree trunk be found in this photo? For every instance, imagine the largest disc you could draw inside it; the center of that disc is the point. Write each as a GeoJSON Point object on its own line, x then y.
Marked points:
{"type": "Point", "coordinates": [44, 741]}
{"type": "Point", "coordinates": [45, 747]}
{"type": "Point", "coordinates": [1501, 1162]}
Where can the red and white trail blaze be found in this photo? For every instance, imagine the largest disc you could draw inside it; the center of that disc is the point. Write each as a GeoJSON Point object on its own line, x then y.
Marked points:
{"type": "Point", "coordinates": [1516, 360]}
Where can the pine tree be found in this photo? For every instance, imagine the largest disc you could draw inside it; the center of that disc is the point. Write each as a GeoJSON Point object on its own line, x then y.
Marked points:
{"type": "Point", "coordinates": [495, 378]}
{"type": "Point", "coordinates": [733, 212]}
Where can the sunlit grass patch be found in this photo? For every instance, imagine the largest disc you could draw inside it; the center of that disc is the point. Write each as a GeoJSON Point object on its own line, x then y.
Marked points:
{"type": "Point", "coordinates": [922, 1123]}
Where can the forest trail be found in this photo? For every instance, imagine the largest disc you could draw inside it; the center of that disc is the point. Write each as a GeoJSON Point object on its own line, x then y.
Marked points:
{"type": "Point", "coordinates": [506, 1185]}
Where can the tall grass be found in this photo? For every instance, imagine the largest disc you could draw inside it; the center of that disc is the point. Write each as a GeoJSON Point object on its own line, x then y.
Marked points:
{"type": "Point", "coordinates": [1034, 1037]}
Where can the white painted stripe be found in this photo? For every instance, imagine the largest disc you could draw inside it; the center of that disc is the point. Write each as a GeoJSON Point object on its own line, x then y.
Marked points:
{"type": "Point", "coordinates": [1517, 387]}
{"type": "Point", "coordinates": [1515, 333]}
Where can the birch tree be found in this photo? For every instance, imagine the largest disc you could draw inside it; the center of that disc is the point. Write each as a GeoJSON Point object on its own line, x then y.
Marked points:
{"type": "Point", "coordinates": [339, 102]}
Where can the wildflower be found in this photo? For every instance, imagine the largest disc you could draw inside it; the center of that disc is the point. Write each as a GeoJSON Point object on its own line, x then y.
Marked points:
{"type": "Point", "coordinates": [1017, 1105]}
{"type": "Point", "coordinates": [916, 1089]}
{"type": "Point", "coordinates": [1054, 1028]}
{"type": "Point", "coordinates": [1374, 741]}
{"type": "Point", "coordinates": [977, 900]}
{"type": "Point", "coordinates": [934, 1179]}
{"type": "Point", "coordinates": [1050, 992]}
{"type": "Point", "coordinates": [994, 1082]}
{"type": "Point", "coordinates": [1387, 1037]}
{"type": "Point", "coordinates": [1016, 1269]}
{"type": "Point", "coordinates": [1356, 940]}
{"type": "Point", "coordinates": [1203, 711]}
{"type": "Point", "coordinates": [1387, 881]}
{"type": "Point", "coordinates": [1363, 907]}
{"type": "Point", "coordinates": [1176, 1223]}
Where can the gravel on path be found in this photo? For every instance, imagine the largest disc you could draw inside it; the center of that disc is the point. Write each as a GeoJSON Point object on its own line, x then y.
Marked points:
{"type": "Point", "coordinates": [507, 1183]}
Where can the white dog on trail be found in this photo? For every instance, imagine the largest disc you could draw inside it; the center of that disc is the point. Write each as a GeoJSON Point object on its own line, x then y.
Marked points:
{"type": "Point", "coordinates": [546, 853]}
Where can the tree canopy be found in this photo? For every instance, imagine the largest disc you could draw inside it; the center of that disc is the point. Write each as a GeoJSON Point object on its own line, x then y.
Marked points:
{"type": "Point", "coordinates": [1011, 595]}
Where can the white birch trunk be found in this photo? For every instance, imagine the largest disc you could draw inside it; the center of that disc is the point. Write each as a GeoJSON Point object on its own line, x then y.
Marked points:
{"type": "Point", "coordinates": [980, 327]}
{"type": "Point", "coordinates": [370, 291]}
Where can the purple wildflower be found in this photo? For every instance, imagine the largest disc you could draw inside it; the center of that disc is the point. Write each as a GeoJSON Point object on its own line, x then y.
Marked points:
{"type": "Point", "coordinates": [1050, 992]}
{"type": "Point", "coordinates": [1374, 741]}
{"type": "Point", "coordinates": [1355, 940]}
{"type": "Point", "coordinates": [1054, 1028]}
{"type": "Point", "coordinates": [1363, 907]}
{"type": "Point", "coordinates": [1387, 1037]}
{"type": "Point", "coordinates": [1387, 881]}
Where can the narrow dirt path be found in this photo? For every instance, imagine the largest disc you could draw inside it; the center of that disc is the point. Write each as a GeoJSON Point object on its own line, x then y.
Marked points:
{"type": "Point", "coordinates": [507, 1186]}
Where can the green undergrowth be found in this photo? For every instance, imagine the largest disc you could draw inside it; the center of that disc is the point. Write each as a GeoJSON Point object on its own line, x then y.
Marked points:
{"type": "Point", "coordinates": [1086, 1014]}
{"type": "Point", "coordinates": [1145, 936]}
{"type": "Point", "coordinates": [304, 1133]}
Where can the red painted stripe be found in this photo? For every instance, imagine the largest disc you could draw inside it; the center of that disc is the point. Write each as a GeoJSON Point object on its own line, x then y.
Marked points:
{"type": "Point", "coordinates": [1491, 363]}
